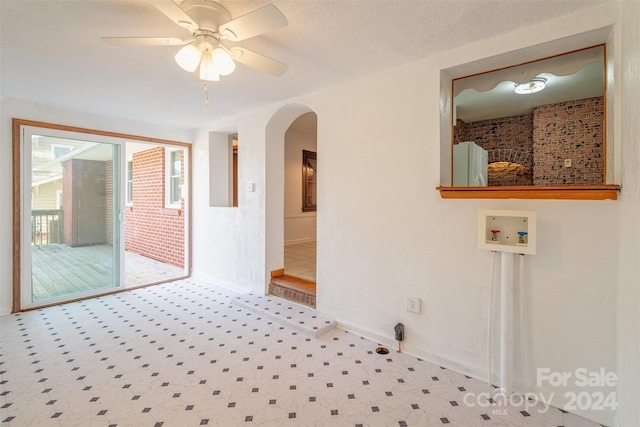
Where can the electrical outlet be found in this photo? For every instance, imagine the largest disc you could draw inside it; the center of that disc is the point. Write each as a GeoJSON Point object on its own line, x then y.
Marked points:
{"type": "Point", "coordinates": [567, 163]}
{"type": "Point", "coordinates": [413, 305]}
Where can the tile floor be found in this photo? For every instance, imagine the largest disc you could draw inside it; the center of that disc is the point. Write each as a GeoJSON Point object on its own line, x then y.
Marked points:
{"type": "Point", "coordinates": [293, 315]}
{"type": "Point", "coordinates": [184, 354]}
{"type": "Point", "coordinates": [300, 260]}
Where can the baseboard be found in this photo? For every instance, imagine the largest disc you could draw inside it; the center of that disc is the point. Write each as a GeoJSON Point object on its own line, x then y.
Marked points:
{"type": "Point", "coordinates": [222, 283]}
{"type": "Point", "coordinates": [476, 372]}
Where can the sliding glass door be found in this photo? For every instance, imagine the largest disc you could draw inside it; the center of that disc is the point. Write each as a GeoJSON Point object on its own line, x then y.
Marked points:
{"type": "Point", "coordinates": [71, 204]}
{"type": "Point", "coordinates": [99, 212]}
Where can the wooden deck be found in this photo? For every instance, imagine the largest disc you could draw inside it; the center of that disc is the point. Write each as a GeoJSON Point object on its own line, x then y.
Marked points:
{"type": "Point", "coordinates": [59, 270]}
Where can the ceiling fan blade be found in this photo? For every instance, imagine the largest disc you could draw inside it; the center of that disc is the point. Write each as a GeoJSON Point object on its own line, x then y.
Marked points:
{"type": "Point", "coordinates": [254, 23]}
{"type": "Point", "coordinates": [144, 41]}
{"type": "Point", "coordinates": [257, 61]}
{"type": "Point", "coordinates": [173, 12]}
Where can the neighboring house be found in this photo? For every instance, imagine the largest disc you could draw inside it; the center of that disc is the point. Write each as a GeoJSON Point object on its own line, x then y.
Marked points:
{"type": "Point", "coordinates": [46, 181]}
{"type": "Point", "coordinates": [46, 187]}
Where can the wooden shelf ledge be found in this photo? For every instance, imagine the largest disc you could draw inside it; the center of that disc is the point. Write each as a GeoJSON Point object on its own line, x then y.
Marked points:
{"type": "Point", "coordinates": [566, 192]}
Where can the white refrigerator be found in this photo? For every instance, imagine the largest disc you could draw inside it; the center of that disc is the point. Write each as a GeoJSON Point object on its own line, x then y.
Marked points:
{"type": "Point", "coordinates": [469, 165]}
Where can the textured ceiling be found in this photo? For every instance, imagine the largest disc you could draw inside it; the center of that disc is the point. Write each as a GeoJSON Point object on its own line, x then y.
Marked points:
{"type": "Point", "coordinates": [51, 51]}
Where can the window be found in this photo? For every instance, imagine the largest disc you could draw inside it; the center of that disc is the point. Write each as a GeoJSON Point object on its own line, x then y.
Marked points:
{"type": "Point", "coordinates": [174, 179]}
{"type": "Point", "coordinates": [58, 199]}
{"type": "Point", "coordinates": [540, 144]}
{"type": "Point", "coordinates": [59, 150]}
{"type": "Point", "coordinates": [546, 116]}
{"type": "Point", "coordinates": [129, 183]}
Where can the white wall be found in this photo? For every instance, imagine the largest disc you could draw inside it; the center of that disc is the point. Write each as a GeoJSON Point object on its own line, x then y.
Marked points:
{"type": "Point", "coordinates": [229, 242]}
{"type": "Point", "coordinates": [628, 286]}
{"type": "Point", "coordinates": [384, 232]}
{"type": "Point", "coordinates": [298, 226]}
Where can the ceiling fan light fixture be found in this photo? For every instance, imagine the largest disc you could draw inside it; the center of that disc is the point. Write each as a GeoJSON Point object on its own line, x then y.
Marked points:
{"type": "Point", "coordinates": [535, 85]}
{"type": "Point", "coordinates": [210, 25]}
{"type": "Point", "coordinates": [208, 71]}
{"type": "Point", "coordinates": [188, 58]}
{"type": "Point", "coordinates": [223, 62]}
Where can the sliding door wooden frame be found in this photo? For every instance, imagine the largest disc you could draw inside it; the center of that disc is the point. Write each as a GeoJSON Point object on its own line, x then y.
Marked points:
{"type": "Point", "coordinates": [17, 124]}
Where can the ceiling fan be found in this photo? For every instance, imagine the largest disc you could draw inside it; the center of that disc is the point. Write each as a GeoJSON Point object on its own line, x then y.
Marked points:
{"type": "Point", "coordinates": [210, 24]}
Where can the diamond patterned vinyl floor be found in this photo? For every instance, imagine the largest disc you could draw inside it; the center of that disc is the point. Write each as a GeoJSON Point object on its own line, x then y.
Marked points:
{"type": "Point", "coordinates": [182, 354]}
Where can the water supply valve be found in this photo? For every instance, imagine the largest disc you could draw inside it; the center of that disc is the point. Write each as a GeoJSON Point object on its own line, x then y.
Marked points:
{"type": "Point", "coordinates": [507, 231]}
{"type": "Point", "coordinates": [522, 237]}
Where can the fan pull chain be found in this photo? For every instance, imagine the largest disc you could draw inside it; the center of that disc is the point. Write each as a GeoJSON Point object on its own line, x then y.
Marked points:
{"type": "Point", "coordinates": [206, 95]}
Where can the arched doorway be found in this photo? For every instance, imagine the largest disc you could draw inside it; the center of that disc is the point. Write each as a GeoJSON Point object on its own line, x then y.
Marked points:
{"type": "Point", "coordinates": [291, 197]}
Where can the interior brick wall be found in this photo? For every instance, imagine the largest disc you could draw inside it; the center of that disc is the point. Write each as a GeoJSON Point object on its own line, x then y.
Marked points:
{"type": "Point", "coordinates": [544, 138]}
{"type": "Point", "coordinates": [509, 174]}
{"type": "Point", "coordinates": [151, 229]}
{"type": "Point", "coordinates": [460, 133]}
{"type": "Point", "coordinates": [515, 133]}
{"type": "Point", "coordinates": [569, 130]}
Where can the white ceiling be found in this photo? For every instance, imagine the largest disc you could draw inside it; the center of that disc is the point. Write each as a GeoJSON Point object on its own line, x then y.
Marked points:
{"type": "Point", "coordinates": [51, 51]}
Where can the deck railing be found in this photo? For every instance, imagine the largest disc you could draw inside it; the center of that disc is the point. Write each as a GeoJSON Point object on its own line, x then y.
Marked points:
{"type": "Point", "coordinates": [46, 227]}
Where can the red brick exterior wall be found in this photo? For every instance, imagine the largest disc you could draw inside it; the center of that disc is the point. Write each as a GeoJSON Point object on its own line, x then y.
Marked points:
{"type": "Point", "coordinates": [569, 130]}
{"type": "Point", "coordinates": [151, 229]}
